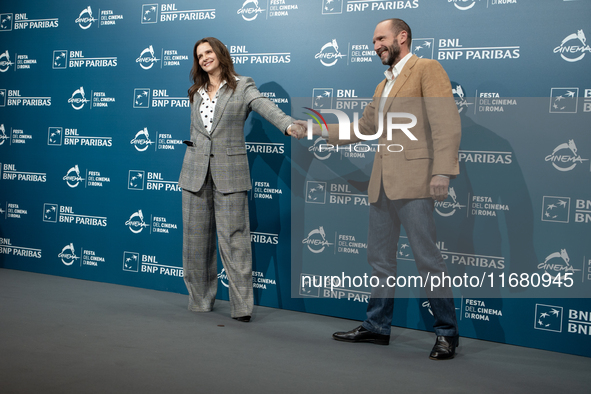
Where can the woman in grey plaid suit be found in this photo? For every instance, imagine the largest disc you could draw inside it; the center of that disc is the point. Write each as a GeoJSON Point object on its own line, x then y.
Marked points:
{"type": "Point", "coordinates": [215, 178]}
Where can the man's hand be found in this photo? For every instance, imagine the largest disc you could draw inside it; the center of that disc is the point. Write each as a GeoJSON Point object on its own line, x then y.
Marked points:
{"type": "Point", "coordinates": [439, 187]}
{"type": "Point", "coordinates": [296, 130]}
{"type": "Point", "coordinates": [316, 130]}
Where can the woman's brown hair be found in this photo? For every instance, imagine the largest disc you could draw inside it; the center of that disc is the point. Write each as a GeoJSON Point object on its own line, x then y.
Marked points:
{"type": "Point", "coordinates": [200, 78]}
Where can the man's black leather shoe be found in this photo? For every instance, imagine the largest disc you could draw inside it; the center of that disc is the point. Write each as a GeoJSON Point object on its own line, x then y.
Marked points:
{"type": "Point", "coordinates": [445, 348]}
{"type": "Point", "coordinates": [244, 319]}
{"type": "Point", "coordinates": [361, 334]}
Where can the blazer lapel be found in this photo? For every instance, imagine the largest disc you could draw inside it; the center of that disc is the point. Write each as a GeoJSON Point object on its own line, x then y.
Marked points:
{"type": "Point", "coordinates": [379, 91]}
{"type": "Point", "coordinates": [403, 77]}
{"type": "Point", "coordinates": [222, 100]}
{"type": "Point", "coordinates": [401, 80]}
{"type": "Point", "coordinates": [380, 88]}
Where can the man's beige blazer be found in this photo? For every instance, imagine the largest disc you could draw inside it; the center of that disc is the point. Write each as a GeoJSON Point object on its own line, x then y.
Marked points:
{"type": "Point", "coordinates": [423, 89]}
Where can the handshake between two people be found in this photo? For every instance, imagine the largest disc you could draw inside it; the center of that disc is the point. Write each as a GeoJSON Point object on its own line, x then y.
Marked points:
{"type": "Point", "coordinates": [299, 129]}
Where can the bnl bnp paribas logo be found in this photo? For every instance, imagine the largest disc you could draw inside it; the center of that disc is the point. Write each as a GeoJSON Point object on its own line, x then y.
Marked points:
{"type": "Point", "coordinates": [77, 59]}
{"type": "Point", "coordinates": [548, 318]}
{"type": "Point", "coordinates": [555, 209]}
{"type": "Point", "coordinates": [154, 181]}
{"type": "Point", "coordinates": [332, 7]}
{"type": "Point", "coordinates": [564, 100]}
{"type": "Point", "coordinates": [574, 47]}
{"type": "Point", "coordinates": [141, 98]}
{"type": "Point", "coordinates": [149, 13]}
{"type": "Point", "coordinates": [169, 13]}
{"type": "Point", "coordinates": [136, 179]}
{"type": "Point", "coordinates": [316, 192]}
{"type": "Point", "coordinates": [157, 98]}
{"type": "Point", "coordinates": [6, 22]}
{"type": "Point", "coordinates": [322, 98]}
{"type": "Point", "coordinates": [60, 59]}
{"type": "Point", "coordinates": [565, 157]}
{"type": "Point", "coordinates": [423, 47]}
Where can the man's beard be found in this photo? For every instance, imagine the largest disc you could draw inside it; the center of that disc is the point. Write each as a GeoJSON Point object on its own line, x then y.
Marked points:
{"type": "Point", "coordinates": [393, 52]}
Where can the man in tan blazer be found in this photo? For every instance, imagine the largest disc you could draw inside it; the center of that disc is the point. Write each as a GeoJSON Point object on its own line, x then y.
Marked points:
{"type": "Point", "coordinates": [407, 176]}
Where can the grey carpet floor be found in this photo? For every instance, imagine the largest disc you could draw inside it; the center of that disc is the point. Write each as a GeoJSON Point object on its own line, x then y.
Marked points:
{"type": "Point", "coordinates": [61, 335]}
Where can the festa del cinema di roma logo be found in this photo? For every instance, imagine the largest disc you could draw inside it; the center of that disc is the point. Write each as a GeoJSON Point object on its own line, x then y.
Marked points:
{"type": "Point", "coordinates": [460, 4]}
{"type": "Point", "coordinates": [5, 62]}
{"type": "Point", "coordinates": [78, 99]}
{"type": "Point", "coordinates": [85, 19]}
{"type": "Point", "coordinates": [559, 264]}
{"type": "Point", "coordinates": [250, 10]}
{"type": "Point", "coordinates": [574, 47]}
{"type": "Point", "coordinates": [147, 58]}
{"type": "Point", "coordinates": [345, 131]}
{"type": "Point", "coordinates": [73, 177]}
{"type": "Point", "coordinates": [565, 157]}
{"type": "Point", "coordinates": [316, 240]}
{"type": "Point", "coordinates": [329, 54]}
{"type": "Point", "coordinates": [68, 254]}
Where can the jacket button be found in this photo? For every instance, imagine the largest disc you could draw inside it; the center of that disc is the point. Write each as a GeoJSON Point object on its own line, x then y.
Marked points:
{"type": "Point", "coordinates": [211, 155]}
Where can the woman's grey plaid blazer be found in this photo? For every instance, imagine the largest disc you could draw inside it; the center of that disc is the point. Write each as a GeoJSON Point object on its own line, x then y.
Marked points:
{"type": "Point", "coordinates": [224, 150]}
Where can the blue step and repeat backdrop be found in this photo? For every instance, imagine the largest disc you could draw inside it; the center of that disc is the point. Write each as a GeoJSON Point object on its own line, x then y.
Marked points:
{"type": "Point", "coordinates": [94, 108]}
